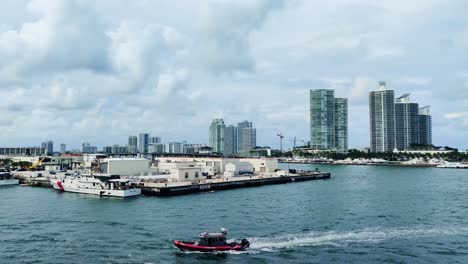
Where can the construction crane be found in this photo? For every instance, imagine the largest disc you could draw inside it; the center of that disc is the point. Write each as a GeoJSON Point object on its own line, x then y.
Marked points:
{"type": "Point", "coordinates": [281, 136]}
{"type": "Point", "coordinates": [39, 162]}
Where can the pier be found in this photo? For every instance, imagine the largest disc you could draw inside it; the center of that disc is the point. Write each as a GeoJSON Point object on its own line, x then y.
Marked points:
{"type": "Point", "coordinates": [172, 189]}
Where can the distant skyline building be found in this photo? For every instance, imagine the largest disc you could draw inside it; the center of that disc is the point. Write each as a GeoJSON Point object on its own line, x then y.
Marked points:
{"type": "Point", "coordinates": [23, 151]}
{"type": "Point", "coordinates": [240, 140]}
{"type": "Point", "coordinates": [382, 119]}
{"type": "Point", "coordinates": [48, 146]}
{"type": "Point", "coordinates": [230, 140]}
{"type": "Point", "coordinates": [154, 140]}
{"type": "Point", "coordinates": [63, 148]}
{"type": "Point", "coordinates": [143, 140]}
{"type": "Point", "coordinates": [406, 122]}
{"type": "Point", "coordinates": [328, 120]}
{"type": "Point", "coordinates": [117, 149]}
{"type": "Point", "coordinates": [249, 140]}
{"type": "Point", "coordinates": [174, 148]}
{"type": "Point", "coordinates": [87, 148]}
{"type": "Point", "coordinates": [156, 148]}
{"type": "Point", "coordinates": [132, 146]}
{"type": "Point", "coordinates": [216, 135]}
{"type": "Point", "coordinates": [424, 125]}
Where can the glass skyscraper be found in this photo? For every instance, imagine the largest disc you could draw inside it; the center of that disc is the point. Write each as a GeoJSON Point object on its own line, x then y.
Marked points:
{"type": "Point", "coordinates": [341, 124]}
{"type": "Point", "coordinates": [382, 119]}
{"type": "Point", "coordinates": [132, 144]}
{"type": "Point", "coordinates": [425, 125]}
{"type": "Point", "coordinates": [249, 140]}
{"type": "Point", "coordinates": [406, 122]}
{"type": "Point", "coordinates": [217, 135]}
{"type": "Point", "coordinates": [322, 119]}
{"type": "Point", "coordinates": [240, 139]}
{"type": "Point", "coordinates": [328, 120]}
{"type": "Point", "coordinates": [143, 140]}
{"type": "Point", "coordinates": [230, 140]}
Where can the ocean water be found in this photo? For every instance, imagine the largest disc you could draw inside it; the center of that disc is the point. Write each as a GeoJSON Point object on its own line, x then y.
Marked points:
{"type": "Point", "coordinates": [362, 215]}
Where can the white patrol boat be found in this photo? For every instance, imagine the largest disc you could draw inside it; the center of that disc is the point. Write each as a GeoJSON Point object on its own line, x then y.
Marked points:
{"type": "Point", "coordinates": [96, 184]}
{"type": "Point", "coordinates": [7, 179]}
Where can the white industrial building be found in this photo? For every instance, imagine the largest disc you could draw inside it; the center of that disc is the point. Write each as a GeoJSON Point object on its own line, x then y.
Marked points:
{"type": "Point", "coordinates": [181, 171]}
{"type": "Point", "coordinates": [224, 166]}
{"type": "Point", "coordinates": [126, 167]}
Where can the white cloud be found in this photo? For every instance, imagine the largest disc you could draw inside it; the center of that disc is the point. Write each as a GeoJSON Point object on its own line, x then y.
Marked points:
{"type": "Point", "coordinates": [107, 69]}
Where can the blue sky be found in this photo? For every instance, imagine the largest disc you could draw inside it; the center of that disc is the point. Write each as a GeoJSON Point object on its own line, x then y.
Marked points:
{"type": "Point", "coordinates": [98, 71]}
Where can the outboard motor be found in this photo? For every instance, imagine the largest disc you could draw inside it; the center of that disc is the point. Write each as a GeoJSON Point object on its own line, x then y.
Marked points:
{"type": "Point", "coordinates": [245, 243]}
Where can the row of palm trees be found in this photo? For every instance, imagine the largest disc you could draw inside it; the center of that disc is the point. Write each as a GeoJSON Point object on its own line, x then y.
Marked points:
{"type": "Point", "coordinates": [10, 164]}
{"type": "Point", "coordinates": [454, 156]}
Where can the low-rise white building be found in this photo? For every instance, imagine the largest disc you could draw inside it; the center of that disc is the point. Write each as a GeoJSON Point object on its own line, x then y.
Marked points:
{"type": "Point", "coordinates": [124, 166]}
{"type": "Point", "coordinates": [182, 170]}
{"type": "Point", "coordinates": [224, 166]}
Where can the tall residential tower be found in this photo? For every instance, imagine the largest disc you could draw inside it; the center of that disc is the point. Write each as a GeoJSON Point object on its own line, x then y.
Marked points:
{"type": "Point", "coordinates": [143, 140]}
{"type": "Point", "coordinates": [382, 119]}
{"type": "Point", "coordinates": [425, 125]}
{"type": "Point", "coordinates": [406, 122]}
{"type": "Point", "coordinates": [328, 121]}
{"type": "Point", "coordinates": [217, 135]}
{"type": "Point", "coordinates": [132, 146]}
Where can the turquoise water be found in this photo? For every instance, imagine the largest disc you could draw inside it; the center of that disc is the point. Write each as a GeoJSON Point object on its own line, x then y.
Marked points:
{"type": "Point", "coordinates": [362, 215]}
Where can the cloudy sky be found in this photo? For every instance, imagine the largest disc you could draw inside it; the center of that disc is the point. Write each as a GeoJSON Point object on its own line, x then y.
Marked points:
{"type": "Point", "coordinates": [98, 71]}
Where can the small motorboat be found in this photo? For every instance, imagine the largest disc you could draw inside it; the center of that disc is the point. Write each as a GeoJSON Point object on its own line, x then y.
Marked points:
{"type": "Point", "coordinates": [209, 242]}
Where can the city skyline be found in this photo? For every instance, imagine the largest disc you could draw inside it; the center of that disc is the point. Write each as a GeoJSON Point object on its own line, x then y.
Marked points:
{"type": "Point", "coordinates": [147, 71]}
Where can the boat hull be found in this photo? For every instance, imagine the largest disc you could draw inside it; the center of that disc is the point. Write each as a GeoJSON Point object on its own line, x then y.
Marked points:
{"type": "Point", "coordinates": [9, 182]}
{"type": "Point", "coordinates": [58, 185]}
{"type": "Point", "coordinates": [187, 246]}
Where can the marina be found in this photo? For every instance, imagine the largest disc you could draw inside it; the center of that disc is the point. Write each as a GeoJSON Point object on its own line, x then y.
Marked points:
{"type": "Point", "coordinates": [165, 176]}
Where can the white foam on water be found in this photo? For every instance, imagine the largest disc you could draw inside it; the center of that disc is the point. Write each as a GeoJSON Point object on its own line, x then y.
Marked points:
{"type": "Point", "coordinates": [333, 238]}
{"type": "Point", "coordinates": [231, 252]}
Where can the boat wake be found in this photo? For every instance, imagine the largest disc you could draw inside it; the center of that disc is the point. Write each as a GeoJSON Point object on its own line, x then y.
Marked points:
{"type": "Point", "coordinates": [339, 239]}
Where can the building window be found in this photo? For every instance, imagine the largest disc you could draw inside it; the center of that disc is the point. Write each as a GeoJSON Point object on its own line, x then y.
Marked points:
{"type": "Point", "coordinates": [196, 174]}
{"type": "Point", "coordinates": [186, 175]}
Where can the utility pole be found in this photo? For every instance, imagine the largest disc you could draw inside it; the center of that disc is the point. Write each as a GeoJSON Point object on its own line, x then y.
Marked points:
{"type": "Point", "coordinates": [281, 136]}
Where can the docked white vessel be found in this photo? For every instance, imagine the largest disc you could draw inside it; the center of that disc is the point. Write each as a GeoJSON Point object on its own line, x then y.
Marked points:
{"type": "Point", "coordinates": [98, 185]}
{"type": "Point", "coordinates": [7, 179]}
{"type": "Point", "coordinates": [453, 165]}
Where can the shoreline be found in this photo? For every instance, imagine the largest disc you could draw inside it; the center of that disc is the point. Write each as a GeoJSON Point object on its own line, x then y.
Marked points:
{"type": "Point", "coordinates": [363, 164]}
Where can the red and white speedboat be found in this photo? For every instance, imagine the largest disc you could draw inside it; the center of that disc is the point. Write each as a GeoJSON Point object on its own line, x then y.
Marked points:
{"type": "Point", "coordinates": [209, 242]}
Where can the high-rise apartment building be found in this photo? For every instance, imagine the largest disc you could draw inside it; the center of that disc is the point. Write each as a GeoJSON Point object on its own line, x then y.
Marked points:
{"type": "Point", "coordinates": [63, 148]}
{"type": "Point", "coordinates": [230, 140]}
{"type": "Point", "coordinates": [341, 124]}
{"type": "Point", "coordinates": [249, 140]}
{"type": "Point", "coordinates": [382, 119]}
{"type": "Point", "coordinates": [143, 140]}
{"type": "Point", "coordinates": [217, 135]}
{"type": "Point", "coordinates": [424, 126]}
{"type": "Point", "coordinates": [406, 122]}
{"type": "Point", "coordinates": [328, 120]}
{"type": "Point", "coordinates": [322, 128]}
{"type": "Point", "coordinates": [154, 140]}
{"type": "Point", "coordinates": [87, 148]}
{"type": "Point", "coordinates": [49, 146]}
{"type": "Point", "coordinates": [132, 146]}
{"type": "Point", "coordinates": [244, 145]}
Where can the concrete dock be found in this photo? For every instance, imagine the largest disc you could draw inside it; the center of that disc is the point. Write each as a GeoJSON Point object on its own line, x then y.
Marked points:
{"type": "Point", "coordinates": [180, 188]}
